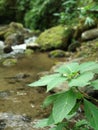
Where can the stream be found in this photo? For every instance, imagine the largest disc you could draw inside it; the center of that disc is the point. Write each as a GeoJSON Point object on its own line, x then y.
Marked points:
{"type": "Point", "coordinates": [20, 105]}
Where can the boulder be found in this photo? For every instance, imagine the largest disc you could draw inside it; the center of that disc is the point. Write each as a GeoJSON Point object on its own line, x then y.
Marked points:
{"type": "Point", "coordinates": [14, 39]}
{"type": "Point", "coordinates": [90, 34]}
{"type": "Point", "coordinates": [55, 38]}
{"type": "Point", "coordinates": [30, 43]}
{"type": "Point", "coordinates": [57, 53]}
{"type": "Point", "coordinates": [7, 49]}
{"type": "Point", "coordinates": [33, 46]}
{"type": "Point", "coordinates": [3, 30]}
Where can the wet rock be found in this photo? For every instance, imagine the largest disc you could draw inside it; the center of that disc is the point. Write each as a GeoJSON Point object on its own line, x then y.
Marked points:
{"type": "Point", "coordinates": [33, 46]}
{"type": "Point", "coordinates": [54, 38]}
{"type": "Point", "coordinates": [7, 49]}
{"type": "Point", "coordinates": [15, 34]}
{"type": "Point", "coordinates": [12, 121]}
{"type": "Point", "coordinates": [73, 46]}
{"type": "Point", "coordinates": [57, 53]}
{"type": "Point", "coordinates": [90, 34]}
{"type": "Point", "coordinates": [14, 39]}
{"type": "Point", "coordinates": [2, 124]}
{"type": "Point", "coordinates": [26, 118]}
{"type": "Point", "coordinates": [30, 43]}
{"type": "Point", "coordinates": [19, 76]}
{"type": "Point", "coordinates": [4, 94]}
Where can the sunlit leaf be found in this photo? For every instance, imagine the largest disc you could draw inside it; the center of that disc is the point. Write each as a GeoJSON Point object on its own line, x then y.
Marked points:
{"type": "Point", "coordinates": [89, 66]}
{"type": "Point", "coordinates": [45, 122]}
{"type": "Point", "coordinates": [68, 68]}
{"type": "Point", "coordinates": [95, 84]}
{"type": "Point", "coordinates": [41, 123]}
{"type": "Point", "coordinates": [81, 80]}
{"type": "Point", "coordinates": [56, 82]}
{"type": "Point", "coordinates": [50, 99]}
{"type": "Point", "coordinates": [63, 105]}
{"type": "Point", "coordinates": [91, 112]}
{"type": "Point", "coordinates": [50, 120]}
{"type": "Point", "coordinates": [43, 81]}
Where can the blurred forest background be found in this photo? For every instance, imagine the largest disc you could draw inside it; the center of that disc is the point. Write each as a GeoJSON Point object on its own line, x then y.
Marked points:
{"type": "Point", "coordinates": [43, 14]}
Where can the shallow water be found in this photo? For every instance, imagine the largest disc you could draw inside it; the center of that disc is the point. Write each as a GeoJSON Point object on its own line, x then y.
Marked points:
{"type": "Point", "coordinates": [20, 105]}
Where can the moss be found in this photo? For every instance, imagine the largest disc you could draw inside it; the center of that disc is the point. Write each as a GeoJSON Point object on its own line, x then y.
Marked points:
{"type": "Point", "coordinates": [57, 53]}
{"type": "Point", "coordinates": [9, 62]}
{"type": "Point", "coordinates": [29, 52]}
{"type": "Point", "coordinates": [96, 44]}
{"type": "Point", "coordinates": [54, 38]}
{"type": "Point", "coordinates": [9, 32]}
{"type": "Point", "coordinates": [12, 28]}
{"type": "Point", "coordinates": [16, 26]}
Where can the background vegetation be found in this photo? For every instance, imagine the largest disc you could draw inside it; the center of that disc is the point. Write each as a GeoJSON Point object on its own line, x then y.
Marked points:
{"type": "Point", "coordinates": [41, 14]}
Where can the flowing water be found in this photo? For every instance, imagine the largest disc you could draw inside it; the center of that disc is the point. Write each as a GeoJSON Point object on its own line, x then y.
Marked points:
{"type": "Point", "coordinates": [20, 105]}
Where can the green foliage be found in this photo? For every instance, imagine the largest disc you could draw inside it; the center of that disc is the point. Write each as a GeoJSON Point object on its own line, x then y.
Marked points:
{"type": "Point", "coordinates": [71, 9]}
{"type": "Point", "coordinates": [40, 15]}
{"type": "Point", "coordinates": [2, 8]}
{"type": "Point", "coordinates": [6, 10]}
{"type": "Point", "coordinates": [66, 103]}
{"type": "Point", "coordinates": [68, 12]}
{"type": "Point", "coordinates": [91, 114]}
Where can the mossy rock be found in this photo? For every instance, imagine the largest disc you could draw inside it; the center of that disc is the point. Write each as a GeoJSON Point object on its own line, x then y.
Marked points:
{"type": "Point", "coordinates": [13, 28]}
{"type": "Point", "coordinates": [3, 31]}
{"type": "Point", "coordinates": [57, 53]}
{"type": "Point", "coordinates": [29, 52]}
{"type": "Point", "coordinates": [9, 62]}
{"type": "Point", "coordinates": [55, 38]}
{"type": "Point", "coordinates": [9, 32]}
{"type": "Point", "coordinates": [16, 26]}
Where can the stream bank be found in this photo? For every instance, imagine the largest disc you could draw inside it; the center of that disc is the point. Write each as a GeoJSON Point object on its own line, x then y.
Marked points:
{"type": "Point", "coordinates": [20, 104]}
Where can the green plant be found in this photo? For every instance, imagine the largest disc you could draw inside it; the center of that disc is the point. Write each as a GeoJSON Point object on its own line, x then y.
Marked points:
{"type": "Point", "coordinates": [67, 103]}
{"type": "Point", "coordinates": [40, 16]}
{"type": "Point", "coordinates": [68, 12]}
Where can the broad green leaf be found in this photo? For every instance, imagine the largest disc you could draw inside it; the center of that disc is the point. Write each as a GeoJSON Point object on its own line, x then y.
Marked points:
{"type": "Point", "coordinates": [50, 99]}
{"type": "Point", "coordinates": [50, 120]}
{"type": "Point", "coordinates": [68, 68]}
{"type": "Point", "coordinates": [41, 123]}
{"type": "Point", "coordinates": [74, 110]}
{"type": "Point", "coordinates": [91, 112]}
{"type": "Point", "coordinates": [82, 80]}
{"type": "Point", "coordinates": [89, 66]}
{"type": "Point", "coordinates": [55, 82]}
{"type": "Point", "coordinates": [45, 122]}
{"type": "Point", "coordinates": [95, 84]}
{"type": "Point", "coordinates": [63, 105]}
{"type": "Point", "coordinates": [44, 80]}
